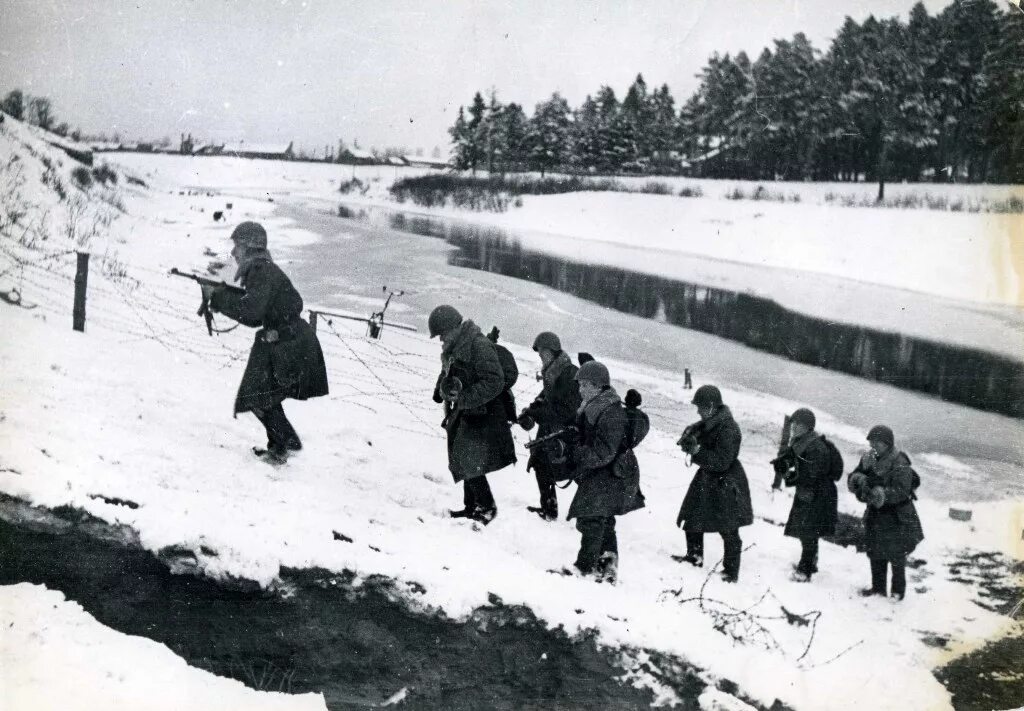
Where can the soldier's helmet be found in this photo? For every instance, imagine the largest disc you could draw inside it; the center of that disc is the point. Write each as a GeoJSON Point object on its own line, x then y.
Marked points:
{"type": "Point", "coordinates": [443, 319]}
{"type": "Point", "coordinates": [804, 417]}
{"type": "Point", "coordinates": [250, 234]}
{"type": "Point", "coordinates": [881, 433]}
{"type": "Point", "coordinates": [594, 372]}
{"type": "Point", "coordinates": [707, 396]}
{"type": "Point", "coordinates": [546, 339]}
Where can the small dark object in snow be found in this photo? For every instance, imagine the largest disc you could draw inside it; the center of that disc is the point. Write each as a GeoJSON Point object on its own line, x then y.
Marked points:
{"type": "Point", "coordinates": [342, 537]}
{"type": "Point", "coordinates": [369, 443]}
{"type": "Point", "coordinates": [217, 216]}
{"type": "Point", "coordinates": [206, 550]}
{"type": "Point", "coordinates": [960, 514]}
{"type": "Point", "coordinates": [114, 501]}
{"type": "Point", "coordinates": [229, 205]}
{"type": "Point", "coordinates": [375, 549]}
{"type": "Point", "coordinates": [916, 563]}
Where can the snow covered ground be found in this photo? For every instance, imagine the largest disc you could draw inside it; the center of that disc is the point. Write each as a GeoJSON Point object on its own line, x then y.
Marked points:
{"type": "Point", "coordinates": [54, 655]}
{"type": "Point", "coordinates": [138, 408]}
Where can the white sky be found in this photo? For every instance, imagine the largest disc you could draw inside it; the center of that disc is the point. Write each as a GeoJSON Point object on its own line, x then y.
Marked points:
{"type": "Point", "coordinates": [385, 72]}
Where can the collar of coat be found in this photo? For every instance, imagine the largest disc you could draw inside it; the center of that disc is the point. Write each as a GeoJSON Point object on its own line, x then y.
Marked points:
{"type": "Point", "coordinates": [892, 459]}
{"type": "Point", "coordinates": [801, 443]}
{"type": "Point", "coordinates": [458, 343]}
{"type": "Point", "coordinates": [555, 368]}
{"type": "Point", "coordinates": [722, 415]}
{"type": "Point", "coordinates": [251, 259]}
{"type": "Point", "coordinates": [599, 403]}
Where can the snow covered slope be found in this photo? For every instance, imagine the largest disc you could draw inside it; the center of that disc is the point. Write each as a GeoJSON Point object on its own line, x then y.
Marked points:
{"type": "Point", "coordinates": [138, 408]}
{"type": "Point", "coordinates": [55, 656]}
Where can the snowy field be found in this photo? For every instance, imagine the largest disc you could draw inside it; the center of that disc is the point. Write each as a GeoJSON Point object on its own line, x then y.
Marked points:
{"type": "Point", "coordinates": [138, 408]}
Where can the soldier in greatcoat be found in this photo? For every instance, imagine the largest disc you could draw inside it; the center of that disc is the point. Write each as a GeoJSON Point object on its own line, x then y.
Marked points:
{"type": "Point", "coordinates": [285, 361]}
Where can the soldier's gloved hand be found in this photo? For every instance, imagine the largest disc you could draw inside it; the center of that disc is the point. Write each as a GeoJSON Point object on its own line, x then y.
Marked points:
{"type": "Point", "coordinates": [876, 497]}
{"type": "Point", "coordinates": [525, 421]}
{"type": "Point", "coordinates": [857, 483]}
{"type": "Point", "coordinates": [270, 336]}
{"type": "Point", "coordinates": [437, 396]}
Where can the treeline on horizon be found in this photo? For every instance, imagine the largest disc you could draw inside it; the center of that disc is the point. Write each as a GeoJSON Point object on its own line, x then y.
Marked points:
{"type": "Point", "coordinates": [937, 96]}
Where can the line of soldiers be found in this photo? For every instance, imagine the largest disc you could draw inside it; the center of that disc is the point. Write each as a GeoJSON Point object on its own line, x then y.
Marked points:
{"type": "Point", "coordinates": [590, 435]}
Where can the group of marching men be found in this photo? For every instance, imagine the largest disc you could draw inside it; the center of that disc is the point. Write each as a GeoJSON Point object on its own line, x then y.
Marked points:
{"type": "Point", "coordinates": [586, 434]}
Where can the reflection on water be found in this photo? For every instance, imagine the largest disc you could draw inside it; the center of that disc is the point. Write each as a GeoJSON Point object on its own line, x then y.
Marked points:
{"type": "Point", "coordinates": [955, 373]}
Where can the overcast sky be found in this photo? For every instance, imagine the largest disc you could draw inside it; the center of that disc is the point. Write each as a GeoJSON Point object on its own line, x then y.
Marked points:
{"type": "Point", "coordinates": [382, 72]}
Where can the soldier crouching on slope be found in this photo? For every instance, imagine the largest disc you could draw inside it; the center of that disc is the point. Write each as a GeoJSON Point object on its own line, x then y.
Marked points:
{"type": "Point", "coordinates": [806, 465]}
{"type": "Point", "coordinates": [285, 360]}
{"type": "Point", "coordinates": [718, 499]}
{"type": "Point", "coordinates": [885, 481]}
{"type": "Point", "coordinates": [606, 472]}
{"type": "Point", "coordinates": [554, 409]}
{"type": "Point", "coordinates": [479, 434]}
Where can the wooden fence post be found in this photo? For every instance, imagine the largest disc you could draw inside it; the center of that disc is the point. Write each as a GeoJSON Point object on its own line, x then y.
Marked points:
{"type": "Point", "coordinates": [81, 282]}
{"type": "Point", "coordinates": [312, 320]}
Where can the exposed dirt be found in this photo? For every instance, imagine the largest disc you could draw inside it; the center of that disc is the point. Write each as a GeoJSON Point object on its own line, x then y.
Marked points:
{"type": "Point", "coordinates": [993, 676]}
{"type": "Point", "coordinates": [358, 645]}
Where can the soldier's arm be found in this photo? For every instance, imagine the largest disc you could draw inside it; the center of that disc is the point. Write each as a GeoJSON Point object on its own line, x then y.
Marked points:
{"type": "Point", "coordinates": [605, 444]}
{"type": "Point", "coordinates": [718, 457]}
{"type": "Point", "coordinates": [490, 378]}
{"type": "Point", "coordinates": [900, 486]}
{"type": "Point", "coordinates": [248, 308]}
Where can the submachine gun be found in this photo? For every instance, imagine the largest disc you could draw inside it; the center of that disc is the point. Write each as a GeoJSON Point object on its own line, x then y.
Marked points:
{"type": "Point", "coordinates": [558, 442]}
{"type": "Point", "coordinates": [204, 306]}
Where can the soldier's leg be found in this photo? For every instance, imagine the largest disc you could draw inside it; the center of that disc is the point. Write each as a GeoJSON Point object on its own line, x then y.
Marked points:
{"type": "Point", "coordinates": [808, 555]}
{"type": "Point", "coordinates": [292, 440]}
{"type": "Point", "coordinates": [695, 544]}
{"type": "Point", "coordinates": [591, 530]}
{"type": "Point", "coordinates": [482, 491]}
{"type": "Point", "coordinates": [733, 545]}
{"type": "Point", "coordinates": [899, 576]}
{"type": "Point", "coordinates": [878, 575]}
{"type": "Point", "coordinates": [608, 562]}
{"type": "Point", "coordinates": [276, 426]}
{"type": "Point", "coordinates": [546, 486]}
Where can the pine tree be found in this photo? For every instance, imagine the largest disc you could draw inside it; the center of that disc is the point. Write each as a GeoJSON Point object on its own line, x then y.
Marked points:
{"type": "Point", "coordinates": [513, 133]}
{"type": "Point", "coordinates": [14, 104]}
{"type": "Point", "coordinates": [462, 152]}
{"type": "Point", "coordinates": [548, 134]}
{"type": "Point", "coordinates": [1002, 100]}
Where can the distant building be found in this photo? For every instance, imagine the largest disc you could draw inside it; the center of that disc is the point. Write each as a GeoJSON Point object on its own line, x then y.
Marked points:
{"type": "Point", "coordinates": [357, 156]}
{"type": "Point", "coordinates": [424, 162]}
{"type": "Point", "coordinates": [266, 151]}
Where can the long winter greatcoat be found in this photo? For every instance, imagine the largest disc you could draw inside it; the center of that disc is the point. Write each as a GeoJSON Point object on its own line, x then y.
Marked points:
{"type": "Point", "coordinates": [290, 367]}
{"type": "Point", "coordinates": [893, 530]}
{"type": "Point", "coordinates": [718, 499]}
{"type": "Point", "coordinates": [815, 501]}
{"type": "Point", "coordinates": [607, 473]}
{"type": "Point", "coordinates": [554, 409]}
{"type": "Point", "coordinates": [479, 434]}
